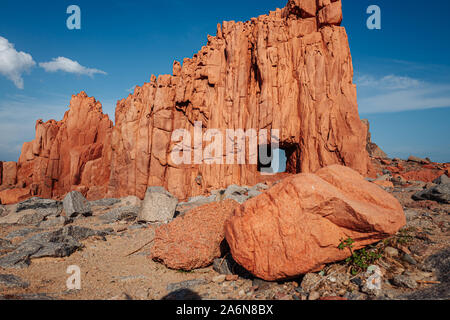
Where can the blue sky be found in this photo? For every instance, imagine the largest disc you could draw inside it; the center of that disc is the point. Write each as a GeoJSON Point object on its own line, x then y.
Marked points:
{"type": "Point", "coordinates": [402, 71]}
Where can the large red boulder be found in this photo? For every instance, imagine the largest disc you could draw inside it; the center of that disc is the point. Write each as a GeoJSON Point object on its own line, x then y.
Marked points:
{"type": "Point", "coordinates": [297, 225]}
{"type": "Point", "coordinates": [194, 240]}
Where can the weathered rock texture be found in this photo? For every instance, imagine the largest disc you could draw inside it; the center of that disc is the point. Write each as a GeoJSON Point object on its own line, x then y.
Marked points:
{"type": "Point", "coordinates": [296, 226]}
{"type": "Point", "coordinates": [289, 70]}
{"type": "Point", "coordinates": [194, 240]}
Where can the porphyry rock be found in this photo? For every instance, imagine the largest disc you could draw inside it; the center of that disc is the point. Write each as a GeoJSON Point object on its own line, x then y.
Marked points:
{"type": "Point", "coordinates": [289, 70]}
{"type": "Point", "coordinates": [194, 240]}
{"type": "Point", "coordinates": [158, 206]}
{"type": "Point", "coordinates": [297, 226]}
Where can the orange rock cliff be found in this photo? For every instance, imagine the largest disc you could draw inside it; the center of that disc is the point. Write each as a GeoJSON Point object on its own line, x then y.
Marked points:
{"type": "Point", "coordinates": [289, 70]}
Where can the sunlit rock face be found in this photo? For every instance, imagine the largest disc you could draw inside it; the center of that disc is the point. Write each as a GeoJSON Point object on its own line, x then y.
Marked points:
{"type": "Point", "coordinates": [290, 70]}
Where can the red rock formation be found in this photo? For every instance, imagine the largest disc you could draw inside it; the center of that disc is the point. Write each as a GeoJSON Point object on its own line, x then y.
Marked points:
{"type": "Point", "coordinates": [194, 240]}
{"type": "Point", "coordinates": [290, 70]}
{"type": "Point", "coordinates": [71, 154]}
{"type": "Point", "coordinates": [296, 226]}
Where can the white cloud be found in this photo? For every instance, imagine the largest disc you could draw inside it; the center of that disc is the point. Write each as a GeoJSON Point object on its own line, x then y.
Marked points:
{"type": "Point", "coordinates": [391, 82]}
{"type": "Point", "coordinates": [393, 93]}
{"type": "Point", "coordinates": [13, 63]}
{"type": "Point", "coordinates": [70, 66]}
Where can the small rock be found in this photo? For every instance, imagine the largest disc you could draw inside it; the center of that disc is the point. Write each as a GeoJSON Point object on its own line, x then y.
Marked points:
{"type": "Point", "coordinates": [55, 222]}
{"type": "Point", "coordinates": [219, 279]}
{"type": "Point", "coordinates": [406, 257]}
{"type": "Point", "coordinates": [231, 277]}
{"type": "Point", "coordinates": [131, 201]}
{"type": "Point", "coordinates": [391, 252]}
{"type": "Point", "coordinates": [185, 284]}
{"type": "Point", "coordinates": [310, 281]}
{"type": "Point", "coordinates": [404, 281]}
{"type": "Point", "coordinates": [444, 179]}
{"type": "Point", "coordinates": [122, 296]}
{"type": "Point", "coordinates": [75, 204]}
{"type": "Point", "coordinates": [45, 207]}
{"type": "Point", "coordinates": [439, 193]}
{"type": "Point", "coordinates": [254, 193]}
{"type": "Point", "coordinates": [11, 281]}
{"type": "Point", "coordinates": [314, 295]}
{"type": "Point", "coordinates": [158, 206]}
{"type": "Point", "coordinates": [104, 202]}
{"type": "Point", "coordinates": [121, 213]}
{"type": "Point", "coordinates": [418, 160]}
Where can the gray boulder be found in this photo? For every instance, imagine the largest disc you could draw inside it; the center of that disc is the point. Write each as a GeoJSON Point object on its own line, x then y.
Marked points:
{"type": "Point", "coordinates": [46, 207]}
{"type": "Point", "coordinates": [54, 222]}
{"type": "Point", "coordinates": [59, 243]}
{"type": "Point", "coordinates": [236, 193]}
{"type": "Point", "coordinates": [439, 193]}
{"type": "Point", "coordinates": [6, 246]}
{"type": "Point", "coordinates": [75, 204]}
{"type": "Point", "coordinates": [104, 202]}
{"type": "Point", "coordinates": [11, 281]}
{"type": "Point", "coordinates": [418, 160]}
{"type": "Point", "coordinates": [442, 180]}
{"type": "Point", "coordinates": [158, 206]}
{"type": "Point", "coordinates": [3, 211]}
{"type": "Point", "coordinates": [122, 213]}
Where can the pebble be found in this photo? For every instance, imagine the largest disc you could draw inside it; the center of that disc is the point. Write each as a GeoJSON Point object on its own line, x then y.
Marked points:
{"type": "Point", "coordinates": [391, 252]}
{"type": "Point", "coordinates": [219, 279]}
{"type": "Point", "coordinates": [314, 295]}
{"type": "Point", "coordinates": [406, 257]}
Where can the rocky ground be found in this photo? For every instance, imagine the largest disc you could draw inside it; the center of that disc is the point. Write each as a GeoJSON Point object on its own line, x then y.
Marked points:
{"type": "Point", "coordinates": [40, 239]}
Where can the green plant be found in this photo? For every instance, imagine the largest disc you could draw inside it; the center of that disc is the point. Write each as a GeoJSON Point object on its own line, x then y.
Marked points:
{"type": "Point", "coordinates": [360, 260]}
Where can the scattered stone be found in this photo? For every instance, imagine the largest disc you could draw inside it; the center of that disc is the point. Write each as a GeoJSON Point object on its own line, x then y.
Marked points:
{"type": "Point", "coordinates": [439, 193]}
{"type": "Point", "coordinates": [121, 297]}
{"type": "Point", "coordinates": [194, 240]}
{"type": "Point", "coordinates": [11, 281]}
{"type": "Point", "coordinates": [313, 295]}
{"type": "Point", "coordinates": [406, 257]}
{"type": "Point", "coordinates": [31, 296]}
{"type": "Point", "coordinates": [121, 213]}
{"type": "Point", "coordinates": [33, 218]}
{"type": "Point", "coordinates": [254, 193]}
{"type": "Point", "coordinates": [261, 284]}
{"type": "Point", "coordinates": [104, 202]}
{"type": "Point", "coordinates": [3, 211]}
{"type": "Point", "coordinates": [75, 204]}
{"type": "Point", "coordinates": [404, 281]}
{"type": "Point", "coordinates": [228, 266]}
{"type": "Point", "coordinates": [189, 284]}
{"type": "Point", "coordinates": [6, 246]}
{"type": "Point", "coordinates": [54, 222]}
{"type": "Point", "coordinates": [391, 252]}
{"type": "Point", "coordinates": [236, 193]}
{"type": "Point", "coordinates": [310, 281]}
{"type": "Point", "coordinates": [131, 201]}
{"type": "Point", "coordinates": [46, 207]}
{"type": "Point", "coordinates": [60, 243]}
{"type": "Point", "coordinates": [158, 206]}
{"type": "Point", "coordinates": [21, 233]}
{"type": "Point", "coordinates": [418, 160]}
{"type": "Point", "coordinates": [219, 279]}
{"type": "Point", "coordinates": [444, 179]}
{"type": "Point", "coordinates": [355, 296]}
